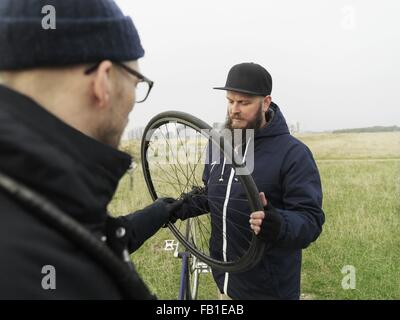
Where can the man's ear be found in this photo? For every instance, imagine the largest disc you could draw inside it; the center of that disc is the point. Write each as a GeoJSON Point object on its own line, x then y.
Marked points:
{"type": "Point", "coordinates": [102, 84]}
{"type": "Point", "coordinates": [266, 103]}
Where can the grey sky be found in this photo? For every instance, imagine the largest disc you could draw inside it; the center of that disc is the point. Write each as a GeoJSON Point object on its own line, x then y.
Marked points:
{"type": "Point", "coordinates": [334, 63]}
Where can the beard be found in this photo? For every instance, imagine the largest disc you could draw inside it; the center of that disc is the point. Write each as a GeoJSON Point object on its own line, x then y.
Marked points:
{"type": "Point", "coordinates": [253, 124]}
{"type": "Point", "coordinates": [239, 134]}
{"type": "Point", "coordinates": [111, 130]}
{"type": "Point", "coordinates": [110, 133]}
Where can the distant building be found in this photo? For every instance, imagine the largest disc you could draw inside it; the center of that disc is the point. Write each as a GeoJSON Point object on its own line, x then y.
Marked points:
{"type": "Point", "coordinates": [294, 126]}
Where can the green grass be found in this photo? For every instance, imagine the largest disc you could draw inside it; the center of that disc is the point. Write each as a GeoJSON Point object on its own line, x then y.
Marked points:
{"type": "Point", "coordinates": [380, 145]}
{"type": "Point", "coordinates": [360, 174]}
{"type": "Point", "coordinates": [362, 229]}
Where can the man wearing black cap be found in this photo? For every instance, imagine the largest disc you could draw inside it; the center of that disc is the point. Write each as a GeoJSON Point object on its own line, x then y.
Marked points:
{"type": "Point", "coordinates": [248, 85]}
{"type": "Point", "coordinates": [290, 189]}
{"type": "Point", "coordinates": [65, 97]}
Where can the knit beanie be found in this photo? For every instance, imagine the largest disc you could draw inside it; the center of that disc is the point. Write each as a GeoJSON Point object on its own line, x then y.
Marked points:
{"type": "Point", "coordinates": [81, 31]}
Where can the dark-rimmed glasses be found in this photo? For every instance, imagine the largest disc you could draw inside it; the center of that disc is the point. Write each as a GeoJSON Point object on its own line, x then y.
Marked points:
{"type": "Point", "coordinates": [143, 87]}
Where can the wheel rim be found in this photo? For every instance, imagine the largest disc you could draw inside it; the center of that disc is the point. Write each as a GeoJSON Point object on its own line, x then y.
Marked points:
{"type": "Point", "coordinates": [165, 123]}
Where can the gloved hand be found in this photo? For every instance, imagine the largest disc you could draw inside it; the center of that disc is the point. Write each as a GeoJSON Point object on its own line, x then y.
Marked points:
{"type": "Point", "coordinates": [196, 201]}
{"type": "Point", "coordinates": [172, 206]}
{"type": "Point", "coordinates": [266, 224]}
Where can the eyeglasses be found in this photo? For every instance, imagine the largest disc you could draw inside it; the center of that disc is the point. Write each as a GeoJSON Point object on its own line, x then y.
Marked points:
{"type": "Point", "coordinates": [143, 87]}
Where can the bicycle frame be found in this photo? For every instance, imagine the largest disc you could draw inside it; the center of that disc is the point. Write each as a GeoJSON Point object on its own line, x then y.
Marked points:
{"type": "Point", "coordinates": [184, 287]}
{"type": "Point", "coordinates": [190, 271]}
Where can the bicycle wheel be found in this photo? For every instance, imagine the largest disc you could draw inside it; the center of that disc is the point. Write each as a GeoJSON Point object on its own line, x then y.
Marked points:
{"type": "Point", "coordinates": [174, 153]}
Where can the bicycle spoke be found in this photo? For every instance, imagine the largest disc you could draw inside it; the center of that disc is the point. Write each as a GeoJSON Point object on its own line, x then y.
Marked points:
{"type": "Point", "coordinates": [183, 172]}
{"type": "Point", "coordinates": [224, 233]}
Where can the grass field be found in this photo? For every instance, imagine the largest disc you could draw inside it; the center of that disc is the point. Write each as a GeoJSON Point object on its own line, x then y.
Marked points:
{"type": "Point", "coordinates": [360, 174]}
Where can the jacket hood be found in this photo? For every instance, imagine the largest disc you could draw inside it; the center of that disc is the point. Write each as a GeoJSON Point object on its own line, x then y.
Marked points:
{"type": "Point", "coordinates": [276, 126]}
{"type": "Point", "coordinates": [74, 171]}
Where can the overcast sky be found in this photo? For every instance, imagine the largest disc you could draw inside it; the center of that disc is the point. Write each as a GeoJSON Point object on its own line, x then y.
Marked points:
{"type": "Point", "coordinates": [334, 63]}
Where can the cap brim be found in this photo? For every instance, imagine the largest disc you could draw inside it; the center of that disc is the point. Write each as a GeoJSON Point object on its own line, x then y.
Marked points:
{"type": "Point", "coordinates": [240, 90]}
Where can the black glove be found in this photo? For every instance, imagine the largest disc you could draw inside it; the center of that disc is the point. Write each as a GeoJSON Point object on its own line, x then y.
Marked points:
{"type": "Point", "coordinates": [172, 206]}
{"type": "Point", "coordinates": [193, 207]}
{"type": "Point", "coordinates": [271, 225]}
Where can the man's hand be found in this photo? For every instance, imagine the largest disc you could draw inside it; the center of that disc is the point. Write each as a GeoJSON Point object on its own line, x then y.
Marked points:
{"type": "Point", "coordinates": [266, 224]}
{"type": "Point", "coordinates": [172, 206]}
{"type": "Point", "coordinates": [257, 217]}
{"type": "Point", "coordinates": [189, 205]}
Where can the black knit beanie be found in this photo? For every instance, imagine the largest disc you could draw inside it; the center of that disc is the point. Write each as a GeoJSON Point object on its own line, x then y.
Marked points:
{"type": "Point", "coordinates": [86, 31]}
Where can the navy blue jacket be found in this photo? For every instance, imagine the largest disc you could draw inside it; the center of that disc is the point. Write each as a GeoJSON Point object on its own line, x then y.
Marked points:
{"type": "Point", "coordinates": [284, 169]}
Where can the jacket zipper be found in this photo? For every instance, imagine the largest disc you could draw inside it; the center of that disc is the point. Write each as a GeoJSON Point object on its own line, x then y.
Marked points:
{"type": "Point", "coordinates": [224, 242]}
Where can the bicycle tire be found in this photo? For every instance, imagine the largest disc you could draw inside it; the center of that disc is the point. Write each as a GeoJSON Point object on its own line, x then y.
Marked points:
{"type": "Point", "coordinates": [257, 246]}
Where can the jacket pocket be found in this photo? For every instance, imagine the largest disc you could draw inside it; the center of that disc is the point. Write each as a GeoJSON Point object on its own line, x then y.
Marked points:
{"type": "Point", "coordinates": [271, 278]}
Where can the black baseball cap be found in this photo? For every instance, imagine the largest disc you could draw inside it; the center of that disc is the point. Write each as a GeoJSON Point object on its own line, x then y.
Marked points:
{"type": "Point", "coordinates": [249, 78]}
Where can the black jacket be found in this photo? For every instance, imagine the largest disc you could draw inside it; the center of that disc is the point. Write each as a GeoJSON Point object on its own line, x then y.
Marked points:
{"type": "Point", "coordinates": [79, 175]}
